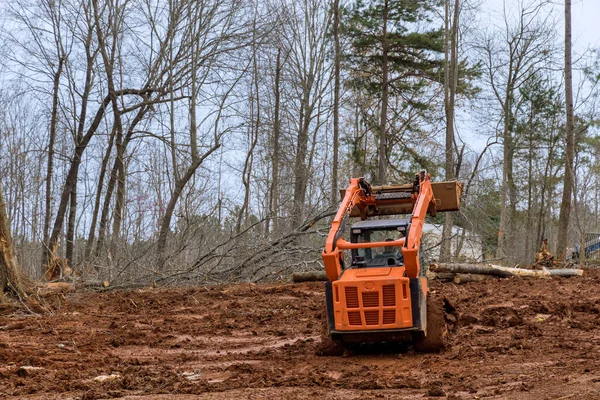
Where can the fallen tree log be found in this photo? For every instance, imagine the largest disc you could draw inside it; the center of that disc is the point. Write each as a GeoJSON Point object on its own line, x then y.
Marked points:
{"type": "Point", "coordinates": [461, 273]}
{"type": "Point", "coordinates": [312, 276]}
{"type": "Point", "coordinates": [496, 270]}
{"type": "Point", "coordinates": [459, 277]}
{"type": "Point", "coordinates": [466, 278]}
{"type": "Point", "coordinates": [440, 276]}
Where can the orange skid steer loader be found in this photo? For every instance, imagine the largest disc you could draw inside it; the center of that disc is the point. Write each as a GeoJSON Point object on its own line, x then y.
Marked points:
{"type": "Point", "coordinates": [380, 293]}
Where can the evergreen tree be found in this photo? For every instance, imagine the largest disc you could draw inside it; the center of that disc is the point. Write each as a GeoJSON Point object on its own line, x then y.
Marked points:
{"type": "Point", "coordinates": [394, 54]}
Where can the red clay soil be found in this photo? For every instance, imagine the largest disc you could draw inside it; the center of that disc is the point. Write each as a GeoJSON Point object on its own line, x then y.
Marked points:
{"type": "Point", "coordinates": [518, 338]}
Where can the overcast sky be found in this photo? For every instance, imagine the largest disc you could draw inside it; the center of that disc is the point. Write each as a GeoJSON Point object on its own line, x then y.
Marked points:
{"type": "Point", "coordinates": [585, 19]}
{"type": "Point", "coordinates": [586, 23]}
{"type": "Point", "coordinates": [586, 35]}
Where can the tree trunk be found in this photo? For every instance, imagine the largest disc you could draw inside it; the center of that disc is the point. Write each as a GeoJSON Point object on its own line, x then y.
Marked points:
{"type": "Point", "coordinates": [505, 187]}
{"type": "Point", "coordinates": [120, 196]}
{"type": "Point", "coordinates": [274, 200]}
{"type": "Point", "coordinates": [103, 169]}
{"type": "Point", "coordinates": [106, 208]}
{"type": "Point", "coordinates": [357, 153]}
{"type": "Point", "coordinates": [382, 178]}
{"type": "Point", "coordinates": [69, 254]}
{"type": "Point", "coordinates": [546, 193]}
{"type": "Point", "coordinates": [312, 276]}
{"type": "Point", "coordinates": [489, 269]}
{"type": "Point", "coordinates": [254, 131]}
{"type": "Point", "coordinates": [336, 102]}
{"type": "Point", "coordinates": [468, 278]}
{"type": "Point", "coordinates": [565, 206]}
{"type": "Point", "coordinates": [50, 169]}
{"type": "Point", "coordinates": [300, 172]}
{"type": "Point", "coordinates": [247, 172]}
{"type": "Point", "coordinates": [529, 230]}
{"type": "Point", "coordinates": [451, 82]}
{"type": "Point", "coordinates": [70, 242]}
{"type": "Point", "coordinates": [10, 272]}
{"type": "Point", "coordinates": [165, 226]}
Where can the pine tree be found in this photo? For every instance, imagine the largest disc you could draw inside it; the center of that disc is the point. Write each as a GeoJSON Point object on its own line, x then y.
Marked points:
{"type": "Point", "coordinates": [395, 52]}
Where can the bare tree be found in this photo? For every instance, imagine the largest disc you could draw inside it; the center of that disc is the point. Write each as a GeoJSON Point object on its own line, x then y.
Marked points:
{"type": "Point", "coordinates": [254, 129]}
{"type": "Point", "coordinates": [307, 45]}
{"type": "Point", "coordinates": [525, 48]}
{"type": "Point", "coordinates": [215, 31]}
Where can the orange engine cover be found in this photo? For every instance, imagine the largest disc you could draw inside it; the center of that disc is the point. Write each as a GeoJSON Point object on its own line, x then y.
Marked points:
{"type": "Point", "coordinates": [372, 299]}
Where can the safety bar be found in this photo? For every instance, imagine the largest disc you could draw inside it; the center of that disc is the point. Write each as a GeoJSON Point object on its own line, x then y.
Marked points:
{"type": "Point", "coordinates": [345, 245]}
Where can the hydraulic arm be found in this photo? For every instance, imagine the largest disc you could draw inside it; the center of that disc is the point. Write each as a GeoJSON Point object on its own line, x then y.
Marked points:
{"type": "Point", "coordinates": [365, 200]}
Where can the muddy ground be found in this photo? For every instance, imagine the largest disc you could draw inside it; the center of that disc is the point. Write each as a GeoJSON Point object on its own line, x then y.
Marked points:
{"type": "Point", "coordinates": [518, 338]}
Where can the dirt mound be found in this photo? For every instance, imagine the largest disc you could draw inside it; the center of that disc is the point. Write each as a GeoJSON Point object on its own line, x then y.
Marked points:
{"type": "Point", "coordinates": [515, 338]}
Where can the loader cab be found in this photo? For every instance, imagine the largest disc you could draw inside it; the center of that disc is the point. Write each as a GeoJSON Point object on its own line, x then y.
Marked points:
{"type": "Point", "coordinates": [381, 230]}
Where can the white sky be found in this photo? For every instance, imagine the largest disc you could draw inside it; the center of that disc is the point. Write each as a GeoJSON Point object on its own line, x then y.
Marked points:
{"type": "Point", "coordinates": [585, 24]}
{"type": "Point", "coordinates": [585, 35]}
{"type": "Point", "coordinates": [585, 19]}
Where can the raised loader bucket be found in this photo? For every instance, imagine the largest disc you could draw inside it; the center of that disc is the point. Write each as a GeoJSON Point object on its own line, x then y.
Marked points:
{"type": "Point", "coordinates": [447, 195]}
{"type": "Point", "coordinates": [447, 198]}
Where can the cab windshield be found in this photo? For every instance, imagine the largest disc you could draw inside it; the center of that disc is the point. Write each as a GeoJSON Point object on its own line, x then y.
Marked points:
{"type": "Point", "coordinates": [377, 256]}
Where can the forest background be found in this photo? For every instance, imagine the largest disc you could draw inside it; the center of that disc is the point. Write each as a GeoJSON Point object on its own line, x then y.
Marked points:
{"type": "Point", "coordinates": [207, 140]}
